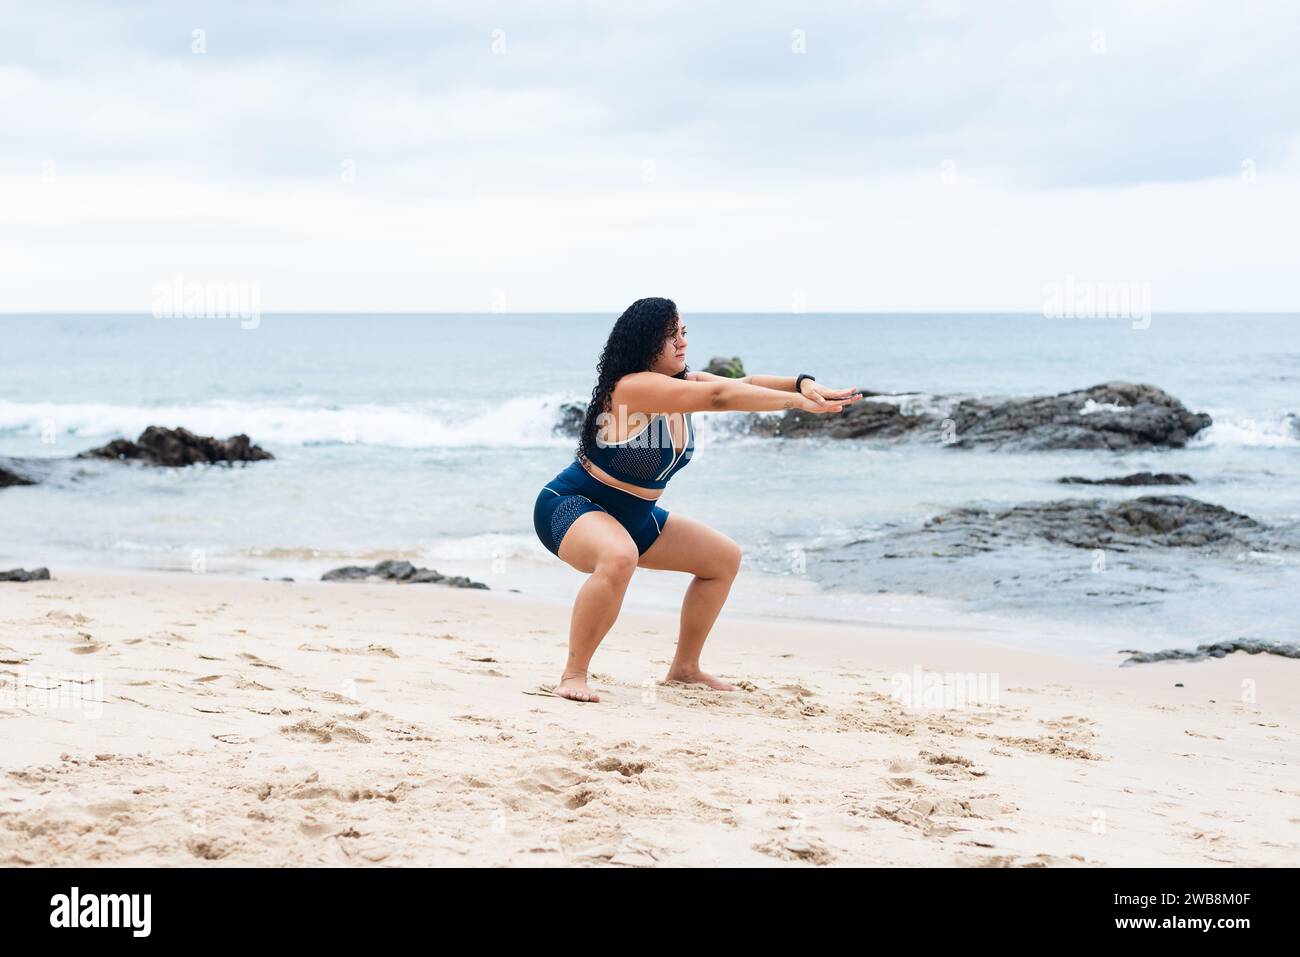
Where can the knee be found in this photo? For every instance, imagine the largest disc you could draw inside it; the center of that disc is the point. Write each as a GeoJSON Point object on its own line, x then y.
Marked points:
{"type": "Point", "coordinates": [728, 561]}
{"type": "Point", "coordinates": [617, 565]}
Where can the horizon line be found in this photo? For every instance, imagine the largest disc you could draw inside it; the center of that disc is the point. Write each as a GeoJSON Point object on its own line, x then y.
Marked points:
{"type": "Point", "coordinates": [701, 312]}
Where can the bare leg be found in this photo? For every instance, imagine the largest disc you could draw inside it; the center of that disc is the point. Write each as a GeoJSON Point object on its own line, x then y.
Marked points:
{"type": "Point", "coordinates": [700, 608]}
{"type": "Point", "coordinates": [597, 543]}
{"type": "Point", "coordinates": [714, 559]}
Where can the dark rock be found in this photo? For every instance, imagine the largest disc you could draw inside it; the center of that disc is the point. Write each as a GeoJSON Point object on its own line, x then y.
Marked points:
{"type": "Point", "coordinates": [1219, 649]}
{"type": "Point", "coordinates": [460, 581]}
{"type": "Point", "coordinates": [347, 573]}
{"type": "Point", "coordinates": [1148, 418]}
{"type": "Point", "coordinates": [863, 419]}
{"type": "Point", "coordinates": [1148, 522]}
{"type": "Point", "coordinates": [23, 575]}
{"type": "Point", "coordinates": [569, 422]}
{"type": "Point", "coordinates": [399, 571]}
{"type": "Point", "coordinates": [13, 478]}
{"type": "Point", "coordinates": [45, 470]}
{"type": "Point", "coordinates": [1169, 521]}
{"type": "Point", "coordinates": [179, 447]}
{"type": "Point", "coordinates": [732, 368]}
{"type": "Point", "coordinates": [1137, 478]}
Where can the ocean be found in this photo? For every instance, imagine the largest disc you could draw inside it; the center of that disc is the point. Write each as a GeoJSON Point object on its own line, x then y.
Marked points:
{"type": "Point", "coordinates": [427, 437]}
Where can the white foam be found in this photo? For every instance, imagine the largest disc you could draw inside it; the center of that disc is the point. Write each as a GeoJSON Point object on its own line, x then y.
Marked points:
{"type": "Point", "coordinates": [490, 546]}
{"type": "Point", "coordinates": [1230, 430]}
{"type": "Point", "coordinates": [919, 403]}
{"type": "Point", "coordinates": [1092, 405]}
{"type": "Point", "coordinates": [522, 421]}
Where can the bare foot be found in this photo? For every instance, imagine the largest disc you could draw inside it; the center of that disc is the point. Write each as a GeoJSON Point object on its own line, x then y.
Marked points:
{"type": "Point", "coordinates": [575, 688]}
{"type": "Point", "coordinates": [699, 677]}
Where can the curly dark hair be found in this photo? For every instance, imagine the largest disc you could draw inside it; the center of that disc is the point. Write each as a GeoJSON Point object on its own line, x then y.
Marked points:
{"type": "Point", "coordinates": [634, 342]}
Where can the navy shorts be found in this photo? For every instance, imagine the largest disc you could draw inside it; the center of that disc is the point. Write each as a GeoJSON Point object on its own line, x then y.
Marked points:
{"type": "Point", "coordinates": [574, 492]}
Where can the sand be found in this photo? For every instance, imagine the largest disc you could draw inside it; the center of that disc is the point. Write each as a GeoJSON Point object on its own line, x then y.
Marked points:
{"type": "Point", "coordinates": [165, 719]}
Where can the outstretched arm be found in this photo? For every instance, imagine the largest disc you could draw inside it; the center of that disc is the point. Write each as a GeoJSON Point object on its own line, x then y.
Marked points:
{"type": "Point", "coordinates": [782, 383]}
{"type": "Point", "coordinates": [652, 390]}
{"type": "Point", "coordinates": [737, 396]}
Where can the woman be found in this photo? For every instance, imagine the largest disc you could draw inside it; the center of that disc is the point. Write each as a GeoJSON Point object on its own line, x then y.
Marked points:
{"type": "Point", "coordinates": [600, 514]}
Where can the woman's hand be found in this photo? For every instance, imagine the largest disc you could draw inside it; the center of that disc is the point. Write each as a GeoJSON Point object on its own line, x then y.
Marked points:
{"type": "Point", "coordinates": [820, 398]}
{"type": "Point", "coordinates": [812, 390]}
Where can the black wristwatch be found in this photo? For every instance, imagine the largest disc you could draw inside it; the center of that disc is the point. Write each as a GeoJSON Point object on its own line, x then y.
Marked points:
{"type": "Point", "coordinates": [798, 382]}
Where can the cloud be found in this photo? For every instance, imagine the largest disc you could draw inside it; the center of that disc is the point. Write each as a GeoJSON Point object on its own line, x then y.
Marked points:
{"type": "Point", "coordinates": [459, 150]}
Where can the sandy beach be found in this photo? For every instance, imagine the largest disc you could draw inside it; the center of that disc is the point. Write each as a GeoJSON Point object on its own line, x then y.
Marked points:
{"type": "Point", "coordinates": [172, 719]}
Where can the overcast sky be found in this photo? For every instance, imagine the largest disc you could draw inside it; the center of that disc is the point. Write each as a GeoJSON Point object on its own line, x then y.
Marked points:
{"type": "Point", "coordinates": [577, 156]}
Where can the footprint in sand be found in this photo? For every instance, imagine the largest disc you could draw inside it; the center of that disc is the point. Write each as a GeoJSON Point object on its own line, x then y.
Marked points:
{"type": "Point", "coordinates": [238, 682]}
{"type": "Point", "coordinates": [624, 767]}
{"type": "Point", "coordinates": [383, 650]}
{"type": "Point", "coordinates": [1055, 745]}
{"type": "Point", "coordinates": [333, 697]}
{"type": "Point", "coordinates": [323, 731]}
{"type": "Point", "coordinates": [797, 847]}
{"type": "Point", "coordinates": [257, 662]}
{"type": "Point", "coordinates": [486, 672]}
{"type": "Point", "coordinates": [942, 758]}
{"type": "Point", "coordinates": [636, 854]}
{"type": "Point", "coordinates": [211, 848]}
{"type": "Point", "coordinates": [557, 782]}
{"type": "Point", "coordinates": [65, 617]}
{"type": "Point", "coordinates": [931, 813]}
{"type": "Point", "coordinates": [312, 790]}
{"type": "Point", "coordinates": [408, 733]}
{"type": "Point", "coordinates": [1011, 860]}
{"type": "Point", "coordinates": [1070, 727]}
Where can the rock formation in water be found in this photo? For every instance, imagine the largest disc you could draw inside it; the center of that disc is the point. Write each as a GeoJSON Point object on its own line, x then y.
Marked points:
{"type": "Point", "coordinates": [1137, 478]}
{"type": "Point", "coordinates": [398, 571]}
{"type": "Point", "coordinates": [23, 575]}
{"type": "Point", "coordinates": [1117, 416]}
{"type": "Point", "coordinates": [179, 447]}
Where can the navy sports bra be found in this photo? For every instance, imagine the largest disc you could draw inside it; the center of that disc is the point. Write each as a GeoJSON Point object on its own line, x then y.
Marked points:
{"type": "Point", "coordinates": [647, 459]}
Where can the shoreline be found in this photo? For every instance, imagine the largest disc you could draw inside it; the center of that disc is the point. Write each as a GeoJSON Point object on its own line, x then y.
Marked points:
{"type": "Point", "coordinates": [756, 597]}
{"type": "Point", "coordinates": [281, 723]}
